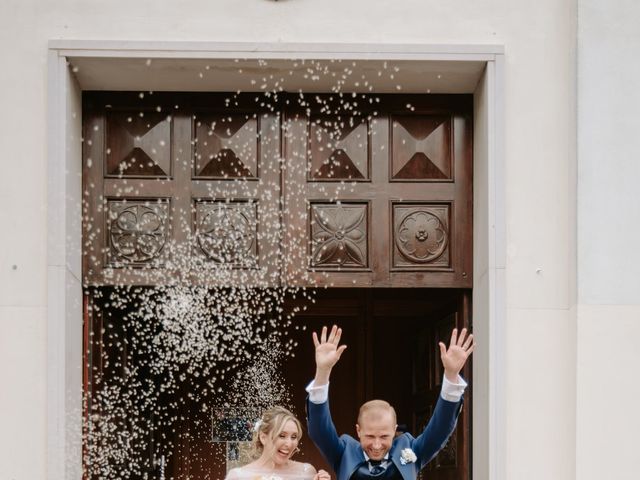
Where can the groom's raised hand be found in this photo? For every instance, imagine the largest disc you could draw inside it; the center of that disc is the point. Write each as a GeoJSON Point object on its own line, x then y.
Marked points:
{"type": "Point", "coordinates": [454, 357]}
{"type": "Point", "coordinates": [328, 352]}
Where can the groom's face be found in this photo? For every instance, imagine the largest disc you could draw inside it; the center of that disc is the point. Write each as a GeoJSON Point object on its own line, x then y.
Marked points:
{"type": "Point", "coordinates": [376, 432]}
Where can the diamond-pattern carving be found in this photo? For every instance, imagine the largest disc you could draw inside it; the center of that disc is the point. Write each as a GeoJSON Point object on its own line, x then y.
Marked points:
{"type": "Point", "coordinates": [226, 232]}
{"type": "Point", "coordinates": [138, 145]}
{"type": "Point", "coordinates": [421, 235]}
{"type": "Point", "coordinates": [338, 148]}
{"type": "Point", "coordinates": [339, 235]}
{"type": "Point", "coordinates": [421, 148]}
{"type": "Point", "coordinates": [226, 146]}
{"type": "Point", "coordinates": [138, 230]}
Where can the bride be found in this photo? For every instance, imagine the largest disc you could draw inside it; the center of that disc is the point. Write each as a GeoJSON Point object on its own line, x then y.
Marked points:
{"type": "Point", "coordinates": [275, 440]}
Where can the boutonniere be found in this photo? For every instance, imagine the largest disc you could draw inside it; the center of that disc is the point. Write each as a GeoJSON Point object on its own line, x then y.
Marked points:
{"type": "Point", "coordinates": [407, 456]}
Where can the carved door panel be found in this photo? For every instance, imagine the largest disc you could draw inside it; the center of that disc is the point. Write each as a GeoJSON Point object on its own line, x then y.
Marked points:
{"type": "Point", "coordinates": [377, 196]}
{"type": "Point", "coordinates": [382, 196]}
{"type": "Point", "coordinates": [329, 199]}
{"type": "Point", "coordinates": [453, 461]}
{"type": "Point", "coordinates": [167, 173]}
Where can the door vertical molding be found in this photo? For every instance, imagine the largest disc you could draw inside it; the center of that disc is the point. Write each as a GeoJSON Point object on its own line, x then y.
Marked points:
{"type": "Point", "coordinates": [64, 289]}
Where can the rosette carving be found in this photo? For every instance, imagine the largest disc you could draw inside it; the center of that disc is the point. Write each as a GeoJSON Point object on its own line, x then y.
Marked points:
{"type": "Point", "coordinates": [339, 235]}
{"type": "Point", "coordinates": [421, 235]}
{"type": "Point", "coordinates": [226, 232]}
{"type": "Point", "coordinates": [137, 232]}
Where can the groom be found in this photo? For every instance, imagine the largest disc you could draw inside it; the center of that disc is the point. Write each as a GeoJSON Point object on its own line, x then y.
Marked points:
{"type": "Point", "coordinates": [378, 454]}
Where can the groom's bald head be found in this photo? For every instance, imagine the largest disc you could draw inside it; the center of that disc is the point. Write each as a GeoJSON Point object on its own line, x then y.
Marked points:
{"type": "Point", "coordinates": [376, 409]}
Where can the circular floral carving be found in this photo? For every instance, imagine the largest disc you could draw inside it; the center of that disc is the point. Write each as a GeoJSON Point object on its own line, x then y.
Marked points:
{"type": "Point", "coordinates": [226, 234]}
{"type": "Point", "coordinates": [138, 233]}
{"type": "Point", "coordinates": [339, 235]}
{"type": "Point", "coordinates": [421, 237]}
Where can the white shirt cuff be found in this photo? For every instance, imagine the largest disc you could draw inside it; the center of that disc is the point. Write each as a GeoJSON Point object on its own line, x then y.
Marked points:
{"type": "Point", "coordinates": [452, 392]}
{"type": "Point", "coordinates": [319, 394]}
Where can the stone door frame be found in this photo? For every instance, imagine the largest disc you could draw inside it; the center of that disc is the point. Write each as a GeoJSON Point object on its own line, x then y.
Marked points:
{"type": "Point", "coordinates": [64, 151]}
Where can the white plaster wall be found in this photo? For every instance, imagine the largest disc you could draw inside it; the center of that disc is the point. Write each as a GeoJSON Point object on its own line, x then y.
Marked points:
{"type": "Point", "coordinates": [608, 421]}
{"type": "Point", "coordinates": [609, 146]}
{"type": "Point", "coordinates": [608, 322]}
{"type": "Point", "coordinates": [539, 38]}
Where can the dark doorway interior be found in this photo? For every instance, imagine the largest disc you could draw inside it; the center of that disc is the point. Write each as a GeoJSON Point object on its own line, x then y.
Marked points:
{"type": "Point", "coordinates": [392, 337]}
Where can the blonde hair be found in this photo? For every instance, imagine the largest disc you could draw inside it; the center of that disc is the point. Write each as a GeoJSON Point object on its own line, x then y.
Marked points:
{"type": "Point", "coordinates": [375, 408]}
{"type": "Point", "coordinates": [272, 423]}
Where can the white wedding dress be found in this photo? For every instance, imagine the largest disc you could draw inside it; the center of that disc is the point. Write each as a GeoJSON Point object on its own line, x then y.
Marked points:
{"type": "Point", "coordinates": [302, 471]}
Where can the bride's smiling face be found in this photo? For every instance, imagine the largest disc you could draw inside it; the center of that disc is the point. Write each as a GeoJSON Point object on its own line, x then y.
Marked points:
{"type": "Point", "coordinates": [284, 445]}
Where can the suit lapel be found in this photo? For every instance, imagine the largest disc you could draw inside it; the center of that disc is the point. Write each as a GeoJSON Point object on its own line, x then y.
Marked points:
{"type": "Point", "coordinates": [407, 471]}
{"type": "Point", "coordinates": [357, 457]}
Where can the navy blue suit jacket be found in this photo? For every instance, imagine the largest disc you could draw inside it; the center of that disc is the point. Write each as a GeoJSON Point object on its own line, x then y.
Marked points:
{"type": "Point", "coordinates": [345, 454]}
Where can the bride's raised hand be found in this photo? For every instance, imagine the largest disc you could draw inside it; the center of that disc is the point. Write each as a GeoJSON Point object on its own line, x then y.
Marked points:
{"type": "Point", "coordinates": [328, 348]}
{"type": "Point", "coordinates": [322, 475]}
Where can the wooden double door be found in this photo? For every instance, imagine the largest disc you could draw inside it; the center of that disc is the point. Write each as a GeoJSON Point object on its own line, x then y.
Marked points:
{"type": "Point", "coordinates": [315, 190]}
{"type": "Point", "coordinates": [370, 193]}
